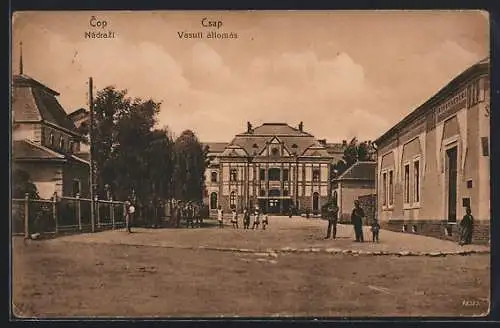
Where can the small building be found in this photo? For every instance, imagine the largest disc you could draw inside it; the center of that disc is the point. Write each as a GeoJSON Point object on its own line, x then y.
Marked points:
{"type": "Point", "coordinates": [436, 161]}
{"type": "Point", "coordinates": [273, 166]}
{"type": "Point", "coordinates": [46, 141]}
{"type": "Point", "coordinates": [358, 181]}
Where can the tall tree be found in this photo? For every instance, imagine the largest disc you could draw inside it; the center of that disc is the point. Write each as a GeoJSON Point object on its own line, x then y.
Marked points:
{"type": "Point", "coordinates": [354, 152]}
{"type": "Point", "coordinates": [189, 167]}
{"type": "Point", "coordinates": [22, 185]}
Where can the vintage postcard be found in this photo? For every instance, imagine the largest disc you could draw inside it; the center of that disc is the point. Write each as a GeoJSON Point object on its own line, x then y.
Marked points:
{"type": "Point", "coordinates": [245, 164]}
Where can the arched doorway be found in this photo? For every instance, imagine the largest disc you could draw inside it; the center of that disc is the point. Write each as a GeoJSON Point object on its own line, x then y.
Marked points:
{"type": "Point", "coordinates": [213, 201]}
{"type": "Point", "coordinates": [315, 202]}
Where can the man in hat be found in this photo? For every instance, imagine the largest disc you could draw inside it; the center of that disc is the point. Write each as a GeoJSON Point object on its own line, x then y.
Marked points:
{"type": "Point", "coordinates": [332, 217]}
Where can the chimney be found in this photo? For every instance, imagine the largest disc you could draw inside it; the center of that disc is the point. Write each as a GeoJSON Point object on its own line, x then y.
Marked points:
{"type": "Point", "coordinates": [249, 127]}
{"type": "Point", "coordinates": [322, 141]}
{"type": "Point", "coordinates": [301, 126]}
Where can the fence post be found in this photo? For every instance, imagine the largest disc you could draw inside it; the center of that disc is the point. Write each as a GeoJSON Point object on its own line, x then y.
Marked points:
{"type": "Point", "coordinates": [26, 215]}
{"type": "Point", "coordinates": [112, 213]}
{"type": "Point", "coordinates": [79, 211]}
{"type": "Point", "coordinates": [54, 209]}
{"type": "Point", "coordinates": [96, 203]}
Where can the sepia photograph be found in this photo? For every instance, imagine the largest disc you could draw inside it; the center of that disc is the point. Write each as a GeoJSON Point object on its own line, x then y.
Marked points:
{"type": "Point", "coordinates": [250, 164]}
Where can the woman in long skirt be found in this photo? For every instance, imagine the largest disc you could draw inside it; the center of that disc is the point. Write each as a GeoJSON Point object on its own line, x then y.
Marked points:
{"type": "Point", "coordinates": [466, 228]}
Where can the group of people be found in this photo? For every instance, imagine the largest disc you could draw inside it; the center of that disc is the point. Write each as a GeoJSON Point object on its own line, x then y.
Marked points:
{"type": "Point", "coordinates": [259, 218]}
{"type": "Point", "coordinates": [357, 217]}
{"type": "Point", "coordinates": [188, 212]}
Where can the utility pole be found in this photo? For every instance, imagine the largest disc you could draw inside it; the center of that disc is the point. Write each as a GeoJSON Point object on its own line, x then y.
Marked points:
{"type": "Point", "coordinates": [91, 142]}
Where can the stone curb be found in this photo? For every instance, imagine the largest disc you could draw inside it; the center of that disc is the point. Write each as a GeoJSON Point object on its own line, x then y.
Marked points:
{"type": "Point", "coordinates": [332, 251]}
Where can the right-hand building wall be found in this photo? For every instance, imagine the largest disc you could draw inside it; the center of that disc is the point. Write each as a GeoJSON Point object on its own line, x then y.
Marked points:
{"type": "Point", "coordinates": [436, 161]}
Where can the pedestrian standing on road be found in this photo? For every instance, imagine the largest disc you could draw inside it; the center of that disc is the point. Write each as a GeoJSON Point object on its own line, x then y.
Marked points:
{"type": "Point", "coordinates": [375, 230]}
{"type": "Point", "coordinates": [220, 217]}
{"type": "Point", "coordinates": [265, 221]}
{"type": "Point", "coordinates": [256, 219]}
{"type": "Point", "coordinates": [130, 216]}
{"type": "Point", "coordinates": [234, 218]}
{"type": "Point", "coordinates": [178, 214]}
{"type": "Point", "coordinates": [246, 219]}
{"type": "Point", "coordinates": [357, 221]}
{"type": "Point", "coordinates": [332, 217]}
{"type": "Point", "coordinates": [466, 228]}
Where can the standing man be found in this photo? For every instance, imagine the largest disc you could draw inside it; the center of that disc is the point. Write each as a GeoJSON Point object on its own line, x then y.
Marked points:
{"type": "Point", "coordinates": [332, 216]}
{"type": "Point", "coordinates": [357, 221]}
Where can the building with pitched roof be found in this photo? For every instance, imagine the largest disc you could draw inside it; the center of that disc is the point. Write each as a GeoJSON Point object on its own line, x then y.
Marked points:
{"type": "Point", "coordinates": [46, 141]}
{"type": "Point", "coordinates": [436, 161]}
{"type": "Point", "coordinates": [357, 181]}
{"type": "Point", "coordinates": [273, 166]}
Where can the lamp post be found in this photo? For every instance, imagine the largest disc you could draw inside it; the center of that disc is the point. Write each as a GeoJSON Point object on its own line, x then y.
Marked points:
{"type": "Point", "coordinates": [91, 132]}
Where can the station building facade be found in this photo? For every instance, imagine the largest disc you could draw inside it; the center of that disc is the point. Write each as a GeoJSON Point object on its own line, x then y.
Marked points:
{"type": "Point", "coordinates": [436, 161]}
{"type": "Point", "coordinates": [273, 166]}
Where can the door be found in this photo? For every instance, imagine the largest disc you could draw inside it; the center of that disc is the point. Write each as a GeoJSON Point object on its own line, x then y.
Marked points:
{"type": "Point", "coordinates": [315, 202]}
{"type": "Point", "coordinates": [451, 159]}
{"type": "Point", "coordinates": [274, 206]}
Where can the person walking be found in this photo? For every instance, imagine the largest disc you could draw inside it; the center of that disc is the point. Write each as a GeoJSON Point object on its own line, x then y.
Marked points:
{"type": "Point", "coordinates": [220, 217]}
{"type": "Point", "coordinates": [246, 219]}
{"type": "Point", "coordinates": [466, 228]}
{"type": "Point", "coordinates": [190, 216]}
{"type": "Point", "coordinates": [178, 214]}
{"type": "Point", "coordinates": [357, 221]}
{"type": "Point", "coordinates": [234, 218]}
{"type": "Point", "coordinates": [332, 217]}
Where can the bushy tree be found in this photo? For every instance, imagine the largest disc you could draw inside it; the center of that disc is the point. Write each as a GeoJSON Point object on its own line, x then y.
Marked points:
{"type": "Point", "coordinates": [22, 185]}
{"type": "Point", "coordinates": [354, 152]}
{"type": "Point", "coordinates": [189, 167]}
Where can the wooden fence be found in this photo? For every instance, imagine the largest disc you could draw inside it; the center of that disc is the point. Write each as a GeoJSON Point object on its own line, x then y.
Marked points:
{"type": "Point", "coordinates": [65, 214]}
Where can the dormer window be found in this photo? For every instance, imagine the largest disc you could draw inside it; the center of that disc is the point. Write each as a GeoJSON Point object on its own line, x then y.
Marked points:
{"type": "Point", "coordinates": [295, 146]}
{"type": "Point", "coordinates": [255, 146]}
{"type": "Point", "coordinates": [275, 151]}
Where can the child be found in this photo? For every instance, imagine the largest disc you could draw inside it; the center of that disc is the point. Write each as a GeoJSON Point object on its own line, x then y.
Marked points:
{"type": "Point", "coordinates": [375, 230]}
{"type": "Point", "coordinates": [234, 219]}
{"type": "Point", "coordinates": [256, 219]}
{"type": "Point", "coordinates": [265, 221]}
{"type": "Point", "coordinates": [246, 219]}
{"type": "Point", "coordinates": [220, 214]}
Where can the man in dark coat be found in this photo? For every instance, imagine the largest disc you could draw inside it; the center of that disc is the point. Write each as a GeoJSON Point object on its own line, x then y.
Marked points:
{"type": "Point", "coordinates": [332, 217]}
{"type": "Point", "coordinates": [357, 221]}
{"type": "Point", "coordinates": [466, 228]}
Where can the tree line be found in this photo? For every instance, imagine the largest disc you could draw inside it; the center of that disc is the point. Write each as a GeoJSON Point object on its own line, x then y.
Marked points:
{"type": "Point", "coordinates": [355, 151]}
{"type": "Point", "coordinates": [133, 159]}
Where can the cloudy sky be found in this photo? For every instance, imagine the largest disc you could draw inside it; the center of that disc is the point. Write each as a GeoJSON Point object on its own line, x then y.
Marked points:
{"type": "Point", "coordinates": [344, 74]}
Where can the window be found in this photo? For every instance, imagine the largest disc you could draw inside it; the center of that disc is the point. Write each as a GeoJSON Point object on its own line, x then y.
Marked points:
{"type": "Point", "coordinates": [485, 146]}
{"type": "Point", "coordinates": [262, 174]}
{"type": "Point", "coordinates": [295, 146]}
{"type": "Point", "coordinates": [285, 192]}
{"type": "Point", "coordinates": [391, 187]}
{"type": "Point", "coordinates": [285, 174]}
{"type": "Point", "coordinates": [416, 181]}
{"type": "Point", "coordinates": [407, 183]}
{"type": "Point", "coordinates": [232, 199]}
{"type": "Point", "coordinates": [76, 187]}
{"type": "Point", "coordinates": [213, 200]}
{"type": "Point", "coordinates": [262, 193]}
{"type": "Point", "coordinates": [51, 139]}
{"type": "Point", "coordinates": [61, 143]}
{"type": "Point", "coordinates": [384, 186]}
{"type": "Point", "coordinates": [233, 175]}
{"type": "Point", "coordinates": [316, 175]}
{"type": "Point", "coordinates": [275, 152]}
{"type": "Point", "coordinates": [274, 193]}
{"type": "Point", "coordinates": [274, 174]}
{"type": "Point", "coordinates": [213, 176]}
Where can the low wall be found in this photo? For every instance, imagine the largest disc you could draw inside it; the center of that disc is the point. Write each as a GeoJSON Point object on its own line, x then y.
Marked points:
{"type": "Point", "coordinates": [438, 229]}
